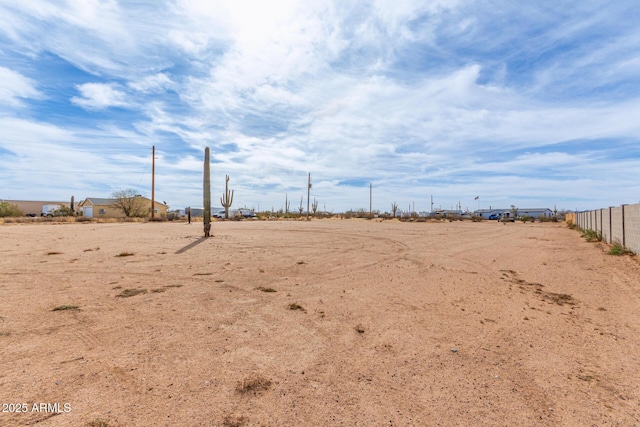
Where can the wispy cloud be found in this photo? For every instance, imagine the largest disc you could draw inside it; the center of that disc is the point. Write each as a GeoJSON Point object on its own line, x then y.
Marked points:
{"type": "Point", "coordinates": [97, 96]}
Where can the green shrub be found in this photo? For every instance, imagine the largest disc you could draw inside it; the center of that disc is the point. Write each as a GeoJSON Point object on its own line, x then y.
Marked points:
{"type": "Point", "coordinates": [617, 249]}
{"type": "Point", "coordinates": [9, 210]}
{"type": "Point", "coordinates": [592, 236]}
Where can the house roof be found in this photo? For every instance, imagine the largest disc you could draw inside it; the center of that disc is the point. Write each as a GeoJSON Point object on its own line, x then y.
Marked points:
{"type": "Point", "coordinates": [102, 202]}
{"type": "Point", "coordinates": [99, 201]}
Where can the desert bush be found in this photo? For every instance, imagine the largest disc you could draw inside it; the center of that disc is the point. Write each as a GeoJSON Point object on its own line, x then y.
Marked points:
{"type": "Point", "coordinates": [525, 218]}
{"type": "Point", "coordinates": [83, 219]}
{"type": "Point", "coordinates": [10, 210]}
{"type": "Point", "coordinates": [616, 249]}
{"type": "Point", "coordinates": [592, 236]}
{"type": "Point", "coordinates": [173, 216]}
{"type": "Point", "coordinates": [477, 218]}
{"type": "Point", "coordinates": [63, 211]}
{"type": "Point", "coordinates": [548, 219]}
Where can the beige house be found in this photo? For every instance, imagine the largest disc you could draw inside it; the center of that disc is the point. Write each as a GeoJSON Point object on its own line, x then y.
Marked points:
{"type": "Point", "coordinates": [94, 207]}
{"type": "Point", "coordinates": [34, 207]}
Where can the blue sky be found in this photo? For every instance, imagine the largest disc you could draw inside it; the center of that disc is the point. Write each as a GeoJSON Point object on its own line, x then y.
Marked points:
{"type": "Point", "coordinates": [528, 103]}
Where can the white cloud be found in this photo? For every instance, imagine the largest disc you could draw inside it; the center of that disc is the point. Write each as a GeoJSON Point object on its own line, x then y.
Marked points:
{"type": "Point", "coordinates": [98, 96]}
{"type": "Point", "coordinates": [14, 87]}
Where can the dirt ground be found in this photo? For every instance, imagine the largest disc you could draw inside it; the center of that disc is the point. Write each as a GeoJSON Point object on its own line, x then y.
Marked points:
{"type": "Point", "coordinates": [327, 322]}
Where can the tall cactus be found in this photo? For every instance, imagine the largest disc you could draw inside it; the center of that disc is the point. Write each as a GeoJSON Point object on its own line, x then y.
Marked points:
{"type": "Point", "coordinates": [72, 206]}
{"type": "Point", "coordinates": [227, 198]}
{"type": "Point", "coordinates": [287, 203]}
{"type": "Point", "coordinates": [206, 193]}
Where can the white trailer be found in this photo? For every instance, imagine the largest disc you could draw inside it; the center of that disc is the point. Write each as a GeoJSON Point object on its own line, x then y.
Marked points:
{"type": "Point", "coordinates": [48, 210]}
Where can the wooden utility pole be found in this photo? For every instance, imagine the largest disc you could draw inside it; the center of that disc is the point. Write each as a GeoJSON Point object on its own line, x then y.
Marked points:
{"type": "Point", "coordinates": [153, 180]}
{"type": "Point", "coordinates": [370, 200]}
{"type": "Point", "coordinates": [308, 194]}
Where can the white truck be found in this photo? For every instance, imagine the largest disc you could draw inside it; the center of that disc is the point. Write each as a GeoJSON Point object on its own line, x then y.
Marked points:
{"type": "Point", "coordinates": [49, 210]}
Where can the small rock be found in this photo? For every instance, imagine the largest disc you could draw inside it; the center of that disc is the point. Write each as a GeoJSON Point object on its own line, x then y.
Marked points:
{"type": "Point", "coordinates": [454, 350]}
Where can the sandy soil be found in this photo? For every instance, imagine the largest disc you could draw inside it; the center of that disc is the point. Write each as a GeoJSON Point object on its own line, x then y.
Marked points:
{"type": "Point", "coordinates": [397, 324]}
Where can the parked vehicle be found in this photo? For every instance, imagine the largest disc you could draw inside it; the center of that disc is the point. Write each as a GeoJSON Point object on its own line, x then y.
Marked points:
{"type": "Point", "coordinates": [49, 210]}
{"type": "Point", "coordinates": [247, 213]}
{"type": "Point", "coordinates": [495, 216]}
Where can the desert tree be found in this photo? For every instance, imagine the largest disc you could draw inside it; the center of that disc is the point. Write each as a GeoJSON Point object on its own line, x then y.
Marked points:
{"type": "Point", "coordinates": [130, 203]}
{"type": "Point", "coordinates": [10, 210]}
{"type": "Point", "coordinates": [514, 211]}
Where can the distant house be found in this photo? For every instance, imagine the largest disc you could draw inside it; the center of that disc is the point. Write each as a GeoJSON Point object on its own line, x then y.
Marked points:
{"type": "Point", "coordinates": [532, 212]}
{"type": "Point", "coordinates": [536, 212]}
{"type": "Point", "coordinates": [34, 207]}
{"type": "Point", "coordinates": [490, 213]}
{"type": "Point", "coordinates": [446, 213]}
{"type": "Point", "coordinates": [95, 207]}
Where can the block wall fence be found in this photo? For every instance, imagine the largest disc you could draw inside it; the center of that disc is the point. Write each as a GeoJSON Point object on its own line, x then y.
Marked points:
{"type": "Point", "coordinates": [616, 225]}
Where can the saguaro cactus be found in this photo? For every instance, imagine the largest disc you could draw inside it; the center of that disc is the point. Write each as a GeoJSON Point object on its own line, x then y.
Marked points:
{"type": "Point", "coordinates": [227, 198]}
{"type": "Point", "coordinates": [71, 206]}
{"type": "Point", "coordinates": [206, 193]}
{"type": "Point", "coordinates": [314, 206]}
{"type": "Point", "coordinates": [287, 203]}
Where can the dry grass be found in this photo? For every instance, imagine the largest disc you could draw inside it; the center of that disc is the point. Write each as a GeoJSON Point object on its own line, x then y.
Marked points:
{"type": "Point", "coordinates": [66, 307]}
{"type": "Point", "coordinates": [296, 306]}
{"type": "Point", "coordinates": [97, 423]}
{"type": "Point", "coordinates": [121, 254]}
{"type": "Point", "coordinates": [131, 292]}
{"type": "Point", "coordinates": [231, 421]}
{"type": "Point", "coordinates": [253, 384]}
{"type": "Point", "coordinates": [263, 289]}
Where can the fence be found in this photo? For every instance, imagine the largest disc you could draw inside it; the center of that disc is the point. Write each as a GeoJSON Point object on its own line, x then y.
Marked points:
{"type": "Point", "coordinates": [615, 225]}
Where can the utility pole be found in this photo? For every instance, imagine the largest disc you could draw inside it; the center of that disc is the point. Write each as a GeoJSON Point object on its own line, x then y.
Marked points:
{"type": "Point", "coordinates": [432, 203]}
{"type": "Point", "coordinates": [370, 200]}
{"type": "Point", "coordinates": [153, 180]}
{"type": "Point", "coordinates": [308, 194]}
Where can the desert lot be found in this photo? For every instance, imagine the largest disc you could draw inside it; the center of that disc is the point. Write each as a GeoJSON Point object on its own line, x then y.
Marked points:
{"type": "Point", "coordinates": [327, 322]}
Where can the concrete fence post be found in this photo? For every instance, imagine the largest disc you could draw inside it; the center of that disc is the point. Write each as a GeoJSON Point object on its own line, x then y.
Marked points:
{"type": "Point", "coordinates": [623, 239]}
{"type": "Point", "coordinates": [610, 227]}
{"type": "Point", "coordinates": [601, 226]}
